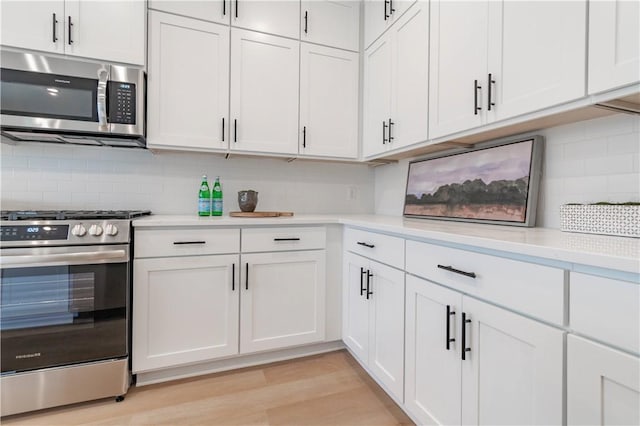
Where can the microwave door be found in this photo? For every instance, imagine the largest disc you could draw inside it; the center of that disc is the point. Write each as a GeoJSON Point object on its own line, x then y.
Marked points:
{"type": "Point", "coordinates": [48, 101]}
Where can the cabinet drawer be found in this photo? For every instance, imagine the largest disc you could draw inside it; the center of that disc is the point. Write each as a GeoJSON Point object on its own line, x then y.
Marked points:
{"type": "Point", "coordinates": [535, 290]}
{"type": "Point", "coordinates": [605, 309]}
{"type": "Point", "coordinates": [283, 239]}
{"type": "Point", "coordinates": [185, 242]}
{"type": "Point", "coordinates": [383, 248]}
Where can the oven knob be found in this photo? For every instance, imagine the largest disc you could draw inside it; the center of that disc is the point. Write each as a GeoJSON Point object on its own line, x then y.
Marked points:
{"type": "Point", "coordinates": [111, 229]}
{"type": "Point", "coordinates": [78, 230]}
{"type": "Point", "coordinates": [95, 230]}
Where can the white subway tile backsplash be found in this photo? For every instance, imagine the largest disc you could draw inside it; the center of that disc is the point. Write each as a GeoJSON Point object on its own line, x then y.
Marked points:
{"type": "Point", "coordinates": [624, 183]}
{"type": "Point", "coordinates": [591, 148]}
{"type": "Point", "coordinates": [609, 165]}
{"type": "Point", "coordinates": [623, 144]}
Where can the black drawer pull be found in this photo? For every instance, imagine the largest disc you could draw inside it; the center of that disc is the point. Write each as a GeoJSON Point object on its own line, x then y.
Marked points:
{"type": "Point", "coordinates": [465, 349]}
{"type": "Point", "coordinates": [449, 338]}
{"type": "Point", "coordinates": [362, 243]}
{"type": "Point", "coordinates": [457, 271]}
{"type": "Point", "coordinates": [287, 239]}
{"type": "Point", "coordinates": [233, 277]}
{"type": "Point", "coordinates": [182, 243]}
{"type": "Point", "coordinates": [246, 277]}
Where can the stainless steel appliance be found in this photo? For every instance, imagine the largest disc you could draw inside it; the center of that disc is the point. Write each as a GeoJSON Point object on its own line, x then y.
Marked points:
{"type": "Point", "coordinates": [64, 300]}
{"type": "Point", "coordinates": [51, 99]}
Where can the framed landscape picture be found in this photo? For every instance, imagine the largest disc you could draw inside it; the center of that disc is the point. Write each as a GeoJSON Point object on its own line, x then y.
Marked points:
{"type": "Point", "coordinates": [494, 183]}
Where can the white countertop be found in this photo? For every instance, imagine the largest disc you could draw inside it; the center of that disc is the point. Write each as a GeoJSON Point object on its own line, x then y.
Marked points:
{"type": "Point", "coordinates": [618, 253]}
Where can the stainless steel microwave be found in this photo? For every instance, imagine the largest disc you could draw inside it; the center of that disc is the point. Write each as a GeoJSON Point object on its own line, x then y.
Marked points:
{"type": "Point", "coordinates": [52, 99]}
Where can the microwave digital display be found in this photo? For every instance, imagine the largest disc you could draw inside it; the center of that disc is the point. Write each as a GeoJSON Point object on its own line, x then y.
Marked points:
{"type": "Point", "coordinates": [122, 103]}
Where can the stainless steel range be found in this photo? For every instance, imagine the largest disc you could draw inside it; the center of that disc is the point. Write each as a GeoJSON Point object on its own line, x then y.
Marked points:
{"type": "Point", "coordinates": [64, 300]}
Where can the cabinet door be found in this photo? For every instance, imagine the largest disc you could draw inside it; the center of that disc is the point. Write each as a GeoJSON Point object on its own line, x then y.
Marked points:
{"type": "Point", "coordinates": [377, 97]}
{"type": "Point", "coordinates": [37, 25]}
{"type": "Point", "coordinates": [379, 15]}
{"type": "Point", "coordinates": [614, 44]}
{"type": "Point", "coordinates": [282, 302]}
{"type": "Point", "coordinates": [188, 79]}
{"type": "Point", "coordinates": [410, 100]}
{"type": "Point", "coordinates": [264, 92]}
{"type": "Point", "coordinates": [355, 327]}
{"type": "Point", "coordinates": [513, 373]}
{"type": "Point", "coordinates": [185, 309]}
{"type": "Point", "coordinates": [458, 58]}
{"type": "Point", "coordinates": [333, 23]}
{"type": "Point", "coordinates": [386, 327]}
{"type": "Point", "coordinates": [280, 17]}
{"type": "Point", "coordinates": [534, 69]}
{"type": "Point", "coordinates": [328, 101]}
{"type": "Point", "coordinates": [107, 30]}
{"type": "Point", "coordinates": [433, 368]}
{"type": "Point", "coordinates": [603, 385]}
{"type": "Point", "coordinates": [212, 10]}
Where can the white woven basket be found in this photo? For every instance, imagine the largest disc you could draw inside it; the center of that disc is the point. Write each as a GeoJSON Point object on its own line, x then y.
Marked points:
{"type": "Point", "coordinates": [606, 219]}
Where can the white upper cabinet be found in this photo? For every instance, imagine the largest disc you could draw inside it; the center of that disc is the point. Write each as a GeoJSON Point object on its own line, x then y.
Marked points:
{"type": "Point", "coordinates": [188, 94]}
{"type": "Point", "coordinates": [396, 84]}
{"type": "Point", "coordinates": [379, 15]}
{"type": "Point", "coordinates": [332, 23]}
{"type": "Point", "coordinates": [264, 93]}
{"type": "Point", "coordinates": [280, 17]}
{"type": "Point", "coordinates": [328, 101]}
{"type": "Point", "coordinates": [212, 10]}
{"type": "Point", "coordinates": [614, 44]}
{"type": "Point", "coordinates": [109, 30]}
{"type": "Point", "coordinates": [37, 25]}
{"type": "Point", "coordinates": [105, 30]}
{"type": "Point", "coordinates": [490, 61]}
{"type": "Point", "coordinates": [458, 60]}
{"type": "Point", "coordinates": [532, 69]}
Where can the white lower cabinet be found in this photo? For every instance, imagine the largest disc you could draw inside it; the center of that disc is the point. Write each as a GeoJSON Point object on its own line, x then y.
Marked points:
{"type": "Point", "coordinates": [283, 299]}
{"type": "Point", "coordinates": [473, 363]}
{"type": "Point", "coordinates": [603, 384]}
{"type": "Point", "coordinates": [374, 319]}
{"type": "Point", "coordinates": [185, 310]}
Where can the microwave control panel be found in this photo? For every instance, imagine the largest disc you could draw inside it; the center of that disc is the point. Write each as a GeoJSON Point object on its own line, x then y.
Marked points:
{"type": "Point", "coordinates": [122, 103]}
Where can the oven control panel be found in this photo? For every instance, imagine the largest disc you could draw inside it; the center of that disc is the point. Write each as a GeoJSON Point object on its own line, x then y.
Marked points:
{"type": "Point", "coordinates": [33, 232]}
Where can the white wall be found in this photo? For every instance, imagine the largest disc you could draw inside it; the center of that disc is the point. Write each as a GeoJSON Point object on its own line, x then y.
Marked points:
{"type": "Point", "coordinates": [584, 162]}
{"type": "Point", "coordinates": [48, 176]}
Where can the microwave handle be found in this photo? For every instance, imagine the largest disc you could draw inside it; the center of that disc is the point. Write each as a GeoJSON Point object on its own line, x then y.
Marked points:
{"type": "Point", "coordinates": [103, 76]}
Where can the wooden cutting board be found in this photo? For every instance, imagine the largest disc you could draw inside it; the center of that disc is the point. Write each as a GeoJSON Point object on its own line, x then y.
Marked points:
{"type": "Point", "coordinates": [260, 214]}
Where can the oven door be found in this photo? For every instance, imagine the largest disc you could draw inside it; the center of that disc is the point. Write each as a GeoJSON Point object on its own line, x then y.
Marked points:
{"type": "Point", "coordinates": [63, 305]}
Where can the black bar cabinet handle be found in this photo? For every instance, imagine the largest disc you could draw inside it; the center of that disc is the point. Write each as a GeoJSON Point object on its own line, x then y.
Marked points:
{"type": "Point", "coordinates": [391, 9]}
{"type": "Point", "coordinates": [69, 30]}
{"type": "Point", "coordinates": [235, 130]}
{"type": "Point", "coordinates": [362, 272]}
{"type": "Point", "coordinates": [391, 123]}
{"type": "Point", "coordinates": [449, 339]}
{"type": "Point", "coordinates": [465, 349]}
{"type": "Point", "coordinates": [384, 132]}
{"type": "Point", "coordinates": [304, 136]}
{"type": "Point", "coordinates": [369, 275]}
{"type": "Point", "coordinates": [386, 2]}
{"type": "Point", "coordinates": [476, 108]}
{"type": "Point", "coordinates": [224, 7]}
{"type": "Point", "coordinates": [233, 277]}
{"type": "Point", "coordinates": [222, 129]}
{"type": "Point", "coordinates": [182, 243]}
{"type": "Point", "coordinates": [490, 84]}
{"type": "Point", "coordinates": [458, 271]}
{"type": "Point", "coordinates": [246, 276]}
{"type": "Point", "coordinates": [362, 243]}
{"type": "Point", "coordinates": [55, 26]}
{"type": "Point", "coordinates": [287, 239]}
{"type": "Point", "coordinates": [306, 21]}
{"type": "Point", "coordinates": [236, 8]}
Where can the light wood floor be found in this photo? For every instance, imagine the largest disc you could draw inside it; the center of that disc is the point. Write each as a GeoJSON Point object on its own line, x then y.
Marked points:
{"type": "Point", "coordinates": [327, 389]}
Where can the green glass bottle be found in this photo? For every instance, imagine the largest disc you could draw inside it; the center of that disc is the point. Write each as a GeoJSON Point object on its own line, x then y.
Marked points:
{"type": "Point", "coordinates": [216, 198]}
{"type": "Point", "coordinates": [204, 198]}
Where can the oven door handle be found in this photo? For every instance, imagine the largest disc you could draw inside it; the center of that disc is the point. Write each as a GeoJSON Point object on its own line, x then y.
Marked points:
{"type": "Point", "coordinates": [88, 257]}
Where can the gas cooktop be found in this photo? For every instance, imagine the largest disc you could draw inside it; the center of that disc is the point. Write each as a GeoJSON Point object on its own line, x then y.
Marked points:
{"type": "Point", "coordinates": [71, 214]}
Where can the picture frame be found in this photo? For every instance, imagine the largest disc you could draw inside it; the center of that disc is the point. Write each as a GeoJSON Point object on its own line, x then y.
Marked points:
{"type": "Point", "coordinates": [494, 183]}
